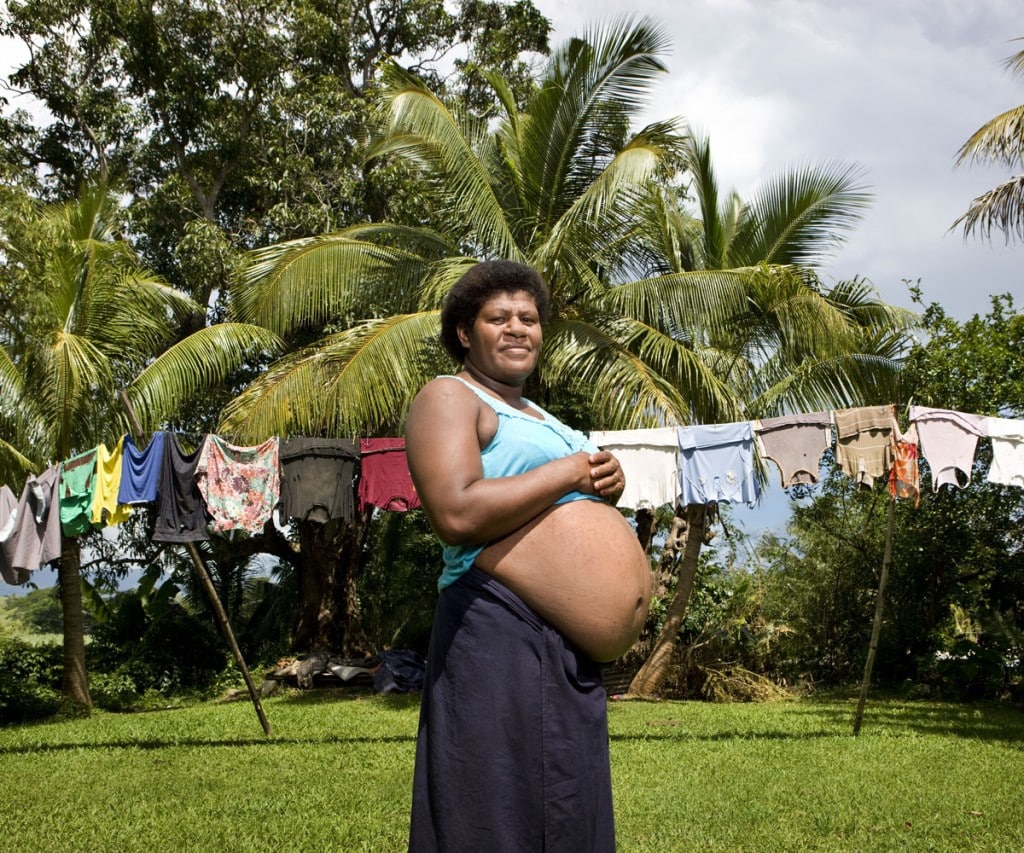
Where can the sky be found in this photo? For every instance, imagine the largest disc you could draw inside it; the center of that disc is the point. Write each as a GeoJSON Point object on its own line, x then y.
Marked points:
{"type": "Point", "coordinates": [894, 87]}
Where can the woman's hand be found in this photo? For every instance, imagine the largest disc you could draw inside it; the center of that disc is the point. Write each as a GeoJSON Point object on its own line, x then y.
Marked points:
{"type": "Point", "coordinates": [606, 476]}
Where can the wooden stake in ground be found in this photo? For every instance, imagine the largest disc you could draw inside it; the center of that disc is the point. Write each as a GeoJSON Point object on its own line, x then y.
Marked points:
{"type": "Point", "coordinates": [211, 590]}
{"type": "Point", "coordinates": [876, 629]}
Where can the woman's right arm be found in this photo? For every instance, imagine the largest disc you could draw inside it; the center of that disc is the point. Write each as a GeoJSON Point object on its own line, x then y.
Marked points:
{"type": "Point", "coordinates": [443, 438]}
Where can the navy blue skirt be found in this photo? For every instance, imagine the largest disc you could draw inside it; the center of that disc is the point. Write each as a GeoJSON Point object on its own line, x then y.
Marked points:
{"type": "Point", "coordinates": [512, 752]}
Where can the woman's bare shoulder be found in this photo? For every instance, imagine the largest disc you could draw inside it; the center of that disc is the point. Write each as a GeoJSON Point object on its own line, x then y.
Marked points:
{"type": "Point", "coordinates": [443, 397]}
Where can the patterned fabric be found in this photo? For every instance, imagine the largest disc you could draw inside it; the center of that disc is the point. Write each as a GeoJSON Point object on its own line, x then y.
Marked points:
{"type": "Point", "coordinates": [904, 478]}
{"type": "Point", "coordinates": [241, 485]}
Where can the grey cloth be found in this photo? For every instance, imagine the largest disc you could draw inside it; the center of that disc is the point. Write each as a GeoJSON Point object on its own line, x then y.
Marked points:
{"type": "Point", "coordinates": [318, 477]}
{"type": "Point", "coordinates": [795, 444]}
{"type": "Point", "coordinates": [35, 538]}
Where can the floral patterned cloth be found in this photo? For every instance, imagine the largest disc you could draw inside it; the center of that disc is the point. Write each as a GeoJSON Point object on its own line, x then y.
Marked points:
{"type": "Point", "coordinates": [240, 485]}
{"type": "Point", "coordinates": [905, 478]}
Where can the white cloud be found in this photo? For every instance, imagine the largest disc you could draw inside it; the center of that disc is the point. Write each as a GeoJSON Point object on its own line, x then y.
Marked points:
{"type": "Point", "coordinates": [895, 86]}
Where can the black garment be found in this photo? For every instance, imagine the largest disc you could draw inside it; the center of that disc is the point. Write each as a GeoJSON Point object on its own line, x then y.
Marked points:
{"type": "Point", "coordinates": [512, 753]}
{"type": "Point", "coordinates": [318, 479]}
{"type": "Point", "coordinates": [181, 514]}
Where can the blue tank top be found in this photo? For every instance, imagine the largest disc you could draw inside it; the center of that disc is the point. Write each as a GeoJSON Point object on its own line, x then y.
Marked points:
{"type": "Point", "coordinates": [521, 443]}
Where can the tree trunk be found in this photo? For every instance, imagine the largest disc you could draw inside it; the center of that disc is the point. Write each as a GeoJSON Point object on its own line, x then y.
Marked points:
{"type": "Point", "coordinates": [330, 558]}
{"type": "Point", "coordinates": [645, 527]}
{"type": "Point", "coordinates": [76, 678]}
{"type": "Point", "coordinates": [651, 675]}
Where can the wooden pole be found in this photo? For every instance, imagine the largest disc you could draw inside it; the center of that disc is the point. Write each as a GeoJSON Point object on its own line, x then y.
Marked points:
{"type": "Point", "coordinates": [211, 590]}
{"type": "Point", "coordinates": [229, 635]}
{"type": "Point", "coordinates": [876, 628]}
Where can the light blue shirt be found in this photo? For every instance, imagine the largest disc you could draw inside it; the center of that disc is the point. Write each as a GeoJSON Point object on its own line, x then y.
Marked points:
{"type": "Point", "coordinates": [521, 443]}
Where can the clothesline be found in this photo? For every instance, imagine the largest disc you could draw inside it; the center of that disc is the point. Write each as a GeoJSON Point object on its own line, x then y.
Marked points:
{"type": "Point", "coordinates": [223, 488]}
{"type": "Point", "coordinates": [219, 488]}
{"type": "Point", "coordinates": [716, 463]}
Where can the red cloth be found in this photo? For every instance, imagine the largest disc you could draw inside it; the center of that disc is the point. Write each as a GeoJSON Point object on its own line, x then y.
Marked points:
{"type": "Point", "coordinates": [384, 479]}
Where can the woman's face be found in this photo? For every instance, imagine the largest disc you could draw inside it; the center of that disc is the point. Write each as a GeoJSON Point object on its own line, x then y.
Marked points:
{"type": "Point", "coordinates": [505, 339]}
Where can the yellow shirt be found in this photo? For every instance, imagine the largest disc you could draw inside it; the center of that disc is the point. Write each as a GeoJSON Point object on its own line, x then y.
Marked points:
{"type": "Point", "coordinates": [108, 482]}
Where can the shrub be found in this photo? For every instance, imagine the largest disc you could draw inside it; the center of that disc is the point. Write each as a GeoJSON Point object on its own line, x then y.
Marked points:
{"type": "Point", "coordinates": [30, 678]}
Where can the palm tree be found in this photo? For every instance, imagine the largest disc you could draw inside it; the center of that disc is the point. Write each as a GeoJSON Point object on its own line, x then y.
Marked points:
{"type": "Point", "coordinates": [798, 347]}
{"type": "Point", "coordinates": [658, 317]}
{"type": "Point", "coordinates": [1000, 140]}
{"type": "Point", "coordinates": [556, 187]}
{"type": "Point", "coordinates": [95, 320]}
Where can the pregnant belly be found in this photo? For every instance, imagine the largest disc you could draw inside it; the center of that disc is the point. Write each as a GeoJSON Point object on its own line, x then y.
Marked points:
{"type": "Point", "coordinates": [580, 566]}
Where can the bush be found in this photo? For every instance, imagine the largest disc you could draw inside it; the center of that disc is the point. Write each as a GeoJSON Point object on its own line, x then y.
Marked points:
{"type": "Point", "coordinates": [161, 647]}
{"type": "Point", "coordinates": [30, 679]}
{"type": "Point", "coordinates": [968, 671]}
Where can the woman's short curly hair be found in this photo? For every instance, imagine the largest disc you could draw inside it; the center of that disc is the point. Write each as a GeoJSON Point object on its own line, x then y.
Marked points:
{"type": "Point", "coordinates": [478, 284]}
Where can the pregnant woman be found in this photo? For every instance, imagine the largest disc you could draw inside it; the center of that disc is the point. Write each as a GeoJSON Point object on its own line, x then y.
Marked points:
{"type": "Point", "coordinates": [542, 579]}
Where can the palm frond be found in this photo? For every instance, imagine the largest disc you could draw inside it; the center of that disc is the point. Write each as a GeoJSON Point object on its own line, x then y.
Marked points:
{"type": "Point", "coordinates": [202, 360]}
{"type": "Point", "coordinates": [600, 212]}
{"type": "Point", "coordinates": [852, 379]}
{"type": "Point", "coordinates": [318, 280]}
{"type": "Point", "coordinates": [697, 161]}
{"type": "Point", "coordinates": [999, 140]}
{"type": "Point", "coordinates": [634, 376]}
{"type": "Point", "coordinates": [424, 131]}
{"type": "Point", "coordinates": [1001, 208]}
{"type": "Point", "coordinates": [801, 216]}
{"type": "Point", "coordinates": [72, 381]}
{"type": "Point", "coordinates": [351, 383]}
{"type": "Point", "coordinates": [682, 305]}
{"type": "Point", "coordinates": [607, 73]}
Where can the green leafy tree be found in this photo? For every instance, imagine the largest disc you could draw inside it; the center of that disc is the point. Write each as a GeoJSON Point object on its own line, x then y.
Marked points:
{"type": "Point", "coordinates": [232, 126]}
{"type": "Point", "coordinates": [953, 611]}
{"type": "Point", "coordinates": [100, 324]}
{"type": "Point", "coordinates": [1001, 141]}
{"type": "Point", "coordinates": [797, 347]}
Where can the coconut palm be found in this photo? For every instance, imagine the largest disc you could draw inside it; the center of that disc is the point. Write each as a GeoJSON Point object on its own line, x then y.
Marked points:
{"type": "Point", "coordinates": [1000, 140]}
{"type": "Point", "coordinates": [556, 187]}
{"type": "Point", "coordinates": [648, 333]}
{"type": "Point", "coordinates": [95, 319]}
{"type": "Point", "coordinates": [797, 347]}
{"type": "Point", "coordinates": [659, 316]}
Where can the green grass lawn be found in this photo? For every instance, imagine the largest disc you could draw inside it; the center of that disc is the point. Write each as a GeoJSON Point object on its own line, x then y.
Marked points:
{"type": "Point", "coordinates": [336, 774]}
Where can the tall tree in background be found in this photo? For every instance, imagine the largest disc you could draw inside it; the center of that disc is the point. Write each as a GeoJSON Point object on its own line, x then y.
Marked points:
{"type": "Point", "coordinates": [233, 125]}
{"type": "Point", "coordinates": [229, 126]}
{"type": "Point", "coordinates": [556, 186]}
{"type": "Point", "coordinates": [91, 328]}
{"type": "Point", "coordinates": [798, 347]}
{"type": "Point", "coordinates": [1001, 141]}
